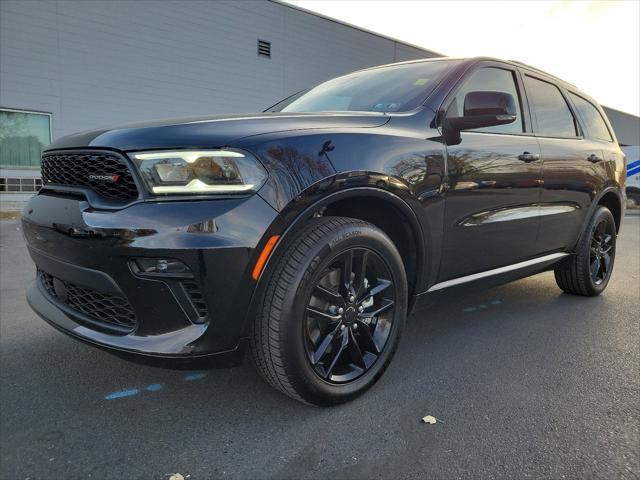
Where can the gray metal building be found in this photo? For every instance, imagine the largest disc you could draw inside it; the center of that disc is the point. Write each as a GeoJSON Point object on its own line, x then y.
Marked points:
{"type": "Point", "coordinates": [627, 127]}
{"type": "Point", "coordinates": [68, 66]}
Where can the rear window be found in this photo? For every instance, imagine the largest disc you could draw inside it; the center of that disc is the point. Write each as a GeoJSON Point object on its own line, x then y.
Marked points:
{"type": "Point", "coordinates": [596, 126]}
{"type": "Point", "coordinates": [552, 112]}
{"type": "Point", "coordinates": [397, 88]}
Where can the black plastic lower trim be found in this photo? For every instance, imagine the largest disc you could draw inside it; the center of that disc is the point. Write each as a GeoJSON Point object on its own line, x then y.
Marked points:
{"type": "Point", "coordinates": [57, 318]}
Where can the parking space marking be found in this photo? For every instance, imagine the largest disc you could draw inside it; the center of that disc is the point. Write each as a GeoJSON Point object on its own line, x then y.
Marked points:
{"type": "Point", "coordinates": [154, 387]}
{"type": "Point", "coordinates": [481, 306]}
{"type": "Point", "coordinates": [194, 376]}
{"type": "Point", "coordinates": [122, 393]}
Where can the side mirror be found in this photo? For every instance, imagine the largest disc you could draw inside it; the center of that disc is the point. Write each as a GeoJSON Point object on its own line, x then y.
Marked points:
{"type": "Point", "coordinates": [483, 109]}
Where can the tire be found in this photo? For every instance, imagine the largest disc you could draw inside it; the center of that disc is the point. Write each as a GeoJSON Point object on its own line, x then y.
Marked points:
{"type": "Point", "coordinates": [596, 252]}
{"type": "Point", "coordinates": [298, 335]}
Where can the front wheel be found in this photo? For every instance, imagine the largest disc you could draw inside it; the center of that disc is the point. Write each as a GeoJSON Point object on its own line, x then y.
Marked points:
{"type": "Point", "coordinates": [588, 271]}
{"type": "Point", "coordinates": [331, 313]}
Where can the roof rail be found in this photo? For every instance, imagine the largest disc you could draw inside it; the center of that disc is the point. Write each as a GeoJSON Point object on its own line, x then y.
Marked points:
{"type": "Point", "coordinates": [522, 64]}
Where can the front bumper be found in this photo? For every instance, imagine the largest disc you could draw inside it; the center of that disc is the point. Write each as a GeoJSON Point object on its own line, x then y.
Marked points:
{"type": "Point", "coordinates": [90, 252]}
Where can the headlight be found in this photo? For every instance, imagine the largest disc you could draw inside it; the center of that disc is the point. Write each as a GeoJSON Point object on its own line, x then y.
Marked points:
{"type": "Point", "coordinates": [200, 171]}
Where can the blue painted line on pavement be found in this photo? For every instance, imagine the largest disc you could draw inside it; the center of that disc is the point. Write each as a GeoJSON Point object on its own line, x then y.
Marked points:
{"type": "Point", "coordinates": [195, 376]}
{"type": "Point", "coordinates": [121, 394]}
{"type": "Point", "coordinates": [154, 387]}
{"type": "Point", "coordinates": [481, 306]}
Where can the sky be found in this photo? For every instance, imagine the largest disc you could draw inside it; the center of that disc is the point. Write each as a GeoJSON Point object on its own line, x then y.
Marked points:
{"type": "Point", "coordinates": [594, 45]}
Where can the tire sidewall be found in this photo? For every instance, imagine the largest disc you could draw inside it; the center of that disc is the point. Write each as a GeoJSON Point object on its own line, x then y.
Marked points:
{"type": "Point", "coordinates": [602, 213]}
{"type": "Point", "coordinates": [304, 379]}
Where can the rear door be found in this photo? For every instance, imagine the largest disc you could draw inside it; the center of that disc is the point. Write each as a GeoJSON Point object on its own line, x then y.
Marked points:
{"type": "Point", "coordinates": [571, 164]}
{"type": "Point", "coordinates": [599, 135]}
{"type": "Point", "coordinates": [493, 183]}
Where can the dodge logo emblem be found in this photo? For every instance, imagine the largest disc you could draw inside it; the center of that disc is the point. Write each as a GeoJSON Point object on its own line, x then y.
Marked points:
{"type": "Point", "coordinates": [105, 178]}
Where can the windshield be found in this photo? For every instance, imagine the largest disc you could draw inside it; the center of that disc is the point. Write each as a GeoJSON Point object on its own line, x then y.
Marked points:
{"type": "Point", "coordinates": [397, 88]}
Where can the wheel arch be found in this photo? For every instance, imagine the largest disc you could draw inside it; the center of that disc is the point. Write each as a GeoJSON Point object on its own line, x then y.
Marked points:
{"type": "Point", "coordinates": [394, 217]}
{"type": "Point", "coordinates": [383, 210]}
{"type": "Point", "coordinates": [611, 198]}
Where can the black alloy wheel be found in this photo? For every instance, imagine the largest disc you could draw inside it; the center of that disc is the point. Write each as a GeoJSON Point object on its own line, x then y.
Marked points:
{"type": "Point", "coordinates": [601, 253]}
{"type": "Point", "coordinates": [349, 315]}
{"type": "Point", "coordinates": [588, 270]}
{"type": "Point", "coordinates": [332, 310]}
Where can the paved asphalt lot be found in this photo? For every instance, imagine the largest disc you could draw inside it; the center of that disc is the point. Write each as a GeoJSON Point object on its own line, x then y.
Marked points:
{"type": "Point", "coordinates": [526, 383]}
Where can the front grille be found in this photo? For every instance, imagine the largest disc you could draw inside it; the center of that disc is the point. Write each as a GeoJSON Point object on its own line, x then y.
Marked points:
{"type": "Point", "coordinates": [105, 173]}
{"type": "Point", "coordinates": [109, 310]}
{"type": "Point", "coordinates": [47, 282]}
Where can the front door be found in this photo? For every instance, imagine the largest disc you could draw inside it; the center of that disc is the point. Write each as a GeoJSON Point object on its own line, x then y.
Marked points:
{"type": "Point", "coordinates": [494, 179]}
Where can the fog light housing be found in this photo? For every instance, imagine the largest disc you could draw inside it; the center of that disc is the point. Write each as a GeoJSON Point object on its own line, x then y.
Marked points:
{"type": "Point", "coordinates": [160, 267]}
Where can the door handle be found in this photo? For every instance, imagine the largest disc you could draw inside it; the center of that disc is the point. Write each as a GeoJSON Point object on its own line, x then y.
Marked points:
{"type": "Point", "coordinates": [593, 158]}
{"type": "Point", "coordinates": [529, 157]}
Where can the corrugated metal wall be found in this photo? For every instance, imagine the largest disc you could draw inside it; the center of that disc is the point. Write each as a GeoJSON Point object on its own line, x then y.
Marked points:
{"type": "Point", "coordinates": [96, 63]}
{"type": "Point", "coordinates": [626, 126]}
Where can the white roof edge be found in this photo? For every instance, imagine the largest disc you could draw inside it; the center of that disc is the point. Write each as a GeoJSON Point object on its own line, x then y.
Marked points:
{"type": "Point", "coordinates": [355, 27]}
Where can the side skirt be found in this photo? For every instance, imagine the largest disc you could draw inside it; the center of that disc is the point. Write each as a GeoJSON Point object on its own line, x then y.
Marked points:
{"type": "Point", "coordinates": [497, 271]}
{"type": "Point", "coordinates": [490, 278]}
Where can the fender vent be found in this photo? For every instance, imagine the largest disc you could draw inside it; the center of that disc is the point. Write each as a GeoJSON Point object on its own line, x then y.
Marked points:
{"type": "Point", "coordinates": [193, 290]}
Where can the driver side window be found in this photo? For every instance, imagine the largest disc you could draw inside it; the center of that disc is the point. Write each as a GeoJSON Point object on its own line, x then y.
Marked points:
{"type": "Point", "coordinates": [489, 79]}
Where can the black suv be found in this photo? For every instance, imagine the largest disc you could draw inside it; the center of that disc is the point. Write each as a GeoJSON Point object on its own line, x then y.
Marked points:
{"type": "Point", "coordinates": [311, 230]}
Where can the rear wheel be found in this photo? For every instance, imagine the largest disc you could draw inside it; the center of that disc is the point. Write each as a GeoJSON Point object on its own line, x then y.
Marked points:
{"type": "Point", "coordinates": [332, 312]}
{"type": "Point", "coordinates": [589, 270]}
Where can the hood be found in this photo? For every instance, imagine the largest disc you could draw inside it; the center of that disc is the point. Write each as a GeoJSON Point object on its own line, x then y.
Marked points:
{"type": "Point", "coordinates": [213, 131]}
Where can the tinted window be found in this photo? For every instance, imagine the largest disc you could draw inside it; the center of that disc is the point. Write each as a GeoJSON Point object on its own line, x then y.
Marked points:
{"type": "Point", "coordinates": [398, 88]}
{"type": "Point", "coordinates": [23, 135]}
{"type": "Point", "coordinates": [551, 109]}
{"type": "Point", "coordinates": [489, 79]}
{"type": "Point", "coordinates": [591, 116]}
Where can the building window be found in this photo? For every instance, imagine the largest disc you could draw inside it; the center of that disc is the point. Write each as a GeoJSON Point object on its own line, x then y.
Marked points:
{"type": "Point", "coordinates": [23, 136]}
{"type": "Point", "coordinates": [20, 185]}
{"type": "Point", "coordinates": [27, 185]}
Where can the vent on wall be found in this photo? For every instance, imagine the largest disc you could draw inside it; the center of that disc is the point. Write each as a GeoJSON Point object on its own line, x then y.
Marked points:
{"type": "Point", "coordinates": [264, 48]}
